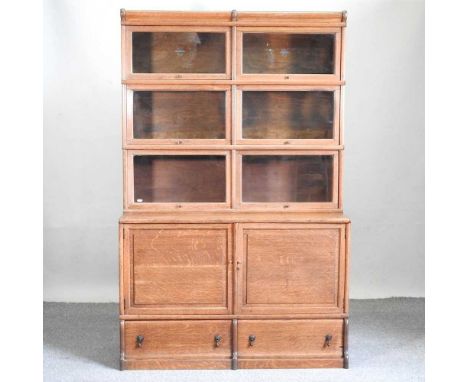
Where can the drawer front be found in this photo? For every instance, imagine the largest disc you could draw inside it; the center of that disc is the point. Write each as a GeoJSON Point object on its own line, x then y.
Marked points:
{"type": "Point", "coordinates": [177, 339]}
{"type": "Point", "coordinates": [178, 269]}
{"type": "Point", "coordinates": [291, 268]}
{"type": "Point", "coordinates": [290, 338]}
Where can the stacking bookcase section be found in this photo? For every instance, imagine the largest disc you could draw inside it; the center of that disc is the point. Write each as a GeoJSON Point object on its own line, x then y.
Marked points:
{"type": "Point", "coordinates": [287, 115]}
{"type": "Point", "coordinates": [234, 250]}
{"type": "Point", "coordinates": [171, 52]}
{"type": "Point", "coordinates": [288, 54]}
{"type": "Point", "coordinates": [288, 179]}
{"type": "Point", "coordinates": [178, 115]}
{"type": "Point", "coordinates": [183, 179]}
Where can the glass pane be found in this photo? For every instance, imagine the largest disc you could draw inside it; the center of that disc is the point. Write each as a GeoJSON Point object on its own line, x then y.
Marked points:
{"type": "Point", "coordinates": [287, 115]}
{"type": "Point", "coordinates": [179, 114]}
{"type": "Point", "coordinates": [287, 178]}
{"type": "Point", "coordinates": [270, 53]}
{"type": "Point", "coordinates": [178, 52]}
{"type": "Point", "coordinates": [180, 178]}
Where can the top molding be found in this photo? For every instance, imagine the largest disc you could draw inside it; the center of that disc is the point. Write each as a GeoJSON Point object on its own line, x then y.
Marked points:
{"type": "Point", "coordinates": [234, 18]}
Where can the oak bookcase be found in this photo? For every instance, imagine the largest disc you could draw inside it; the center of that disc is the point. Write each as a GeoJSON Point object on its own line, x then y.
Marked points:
{"type": "Point", "coordinates": [234, 250]}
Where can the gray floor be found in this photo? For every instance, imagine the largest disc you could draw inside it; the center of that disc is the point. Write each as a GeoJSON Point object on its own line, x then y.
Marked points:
{"type": "Point", "coordinates": [81, 343]}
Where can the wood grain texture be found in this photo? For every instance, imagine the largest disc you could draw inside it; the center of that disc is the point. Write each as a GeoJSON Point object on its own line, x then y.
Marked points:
{"type": "Point", "coordinates": [178, 269]}
{"type": "Point", "coordinates": [290, 268]}
{"type": "Point", "coordinates": [290, 339]}
{"type": "Point", "coordinates": [178, 339]}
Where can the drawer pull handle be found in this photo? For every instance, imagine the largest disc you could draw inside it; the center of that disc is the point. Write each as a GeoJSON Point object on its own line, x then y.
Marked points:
{"type": "Point", "coordinates": [139, 341]}
{"type": "Point", "coordinates": [252, 339]}
{"type": "Point", "coordinates": [328, 339]}
{"type": "Point", "coordinates": [218, 339]}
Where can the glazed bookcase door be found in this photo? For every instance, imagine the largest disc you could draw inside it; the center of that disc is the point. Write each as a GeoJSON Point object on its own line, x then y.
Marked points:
{"type": "Point", "coordinates": [290, 268]}
{"type": "Point", "coordinates": [177, 115]}
{"type": "Point", "coordinates": [289, 53]}
{"type": "Point", "coordinates": [178, 180]}
{"type": "Point", "coordinates": [288, 115]}
{"type": "Point", "coordinates": [288, 179]}
{"type": "Point", "coordinates": [169, 52]}
{"type": "Point", "coordinates": [178, 269]}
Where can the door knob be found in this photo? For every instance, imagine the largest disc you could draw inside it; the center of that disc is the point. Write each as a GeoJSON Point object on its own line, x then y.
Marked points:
{"type": "Point", "coordinates": [139, 341]}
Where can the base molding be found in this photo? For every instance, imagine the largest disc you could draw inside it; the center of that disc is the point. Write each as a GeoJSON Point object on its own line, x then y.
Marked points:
{"type": "Point", "coordinates": [161, 364]}
{"type": "Point", "coordinates": [298, 363]}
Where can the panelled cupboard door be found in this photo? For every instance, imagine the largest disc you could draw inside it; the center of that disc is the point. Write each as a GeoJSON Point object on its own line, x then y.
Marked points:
{"type": "Point", "coordinates": [289, 54]}
{"type": "Point", "coordinates": [290, 268]}
{"type": "Point", "coordinates": [176, 52]}
{"type": "Point", "coordinates": [177, 269]}
{"type": "Point", "coordinates": [177, 114]}
{"type": "Point", "coordinates": [273, 114]}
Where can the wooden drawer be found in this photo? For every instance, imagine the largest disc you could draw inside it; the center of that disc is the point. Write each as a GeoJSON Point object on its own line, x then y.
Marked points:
{"type": "Point", "coordinates": [290, 339]}
{"type": "Point", "coordinates": [175, 342]}
{"type": "Point", "coordinates": [177, 268]}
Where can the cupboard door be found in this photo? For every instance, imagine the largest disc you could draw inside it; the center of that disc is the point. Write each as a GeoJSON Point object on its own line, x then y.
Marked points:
{"type": "Point", "coordinates": [168, 344]}
{"type": "Point", "coordinates": [290, 268]}
{"type": "Point", "coordinates": [178, 115]}
{"type": "Point", "coordinates": [286, 341]}
{"type": "Point", "coordinates": [288, 180]}
{"type": "Point", "coordinates": [289, 54]}
{"type": "Point", "coordinates": [178, 269]}
{"type": "Point", "coordinates": [288, 115]}
{"type": "Point", "coordinates": [178, 180]}
{"type": "Point", "coordinates": [177, 52]}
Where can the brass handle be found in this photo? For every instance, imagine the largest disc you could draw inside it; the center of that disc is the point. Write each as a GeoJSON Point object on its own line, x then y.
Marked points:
{"type": "Point", "coordinates": [252, 339]}
{"type": "Point", "coordinates": [139, 341]}
{"type": "Point", "coordinates": [328, 339]}
{"type": "Point", "coordinates": [218, 339]}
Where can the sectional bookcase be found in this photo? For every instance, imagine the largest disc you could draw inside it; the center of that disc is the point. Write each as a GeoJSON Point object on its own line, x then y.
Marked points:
{"type": "Point", "coordinates": [234, 250]}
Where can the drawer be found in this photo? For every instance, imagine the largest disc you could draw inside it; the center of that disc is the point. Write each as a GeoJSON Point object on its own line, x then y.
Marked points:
{"type": "Point", "coordinates": [292, 339]}
{"type": "Point", "coordinates": [210, 339]}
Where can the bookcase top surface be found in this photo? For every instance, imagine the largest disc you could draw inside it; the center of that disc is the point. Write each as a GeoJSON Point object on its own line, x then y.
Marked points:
{"type": "Point", "coordinates": [311, 19]}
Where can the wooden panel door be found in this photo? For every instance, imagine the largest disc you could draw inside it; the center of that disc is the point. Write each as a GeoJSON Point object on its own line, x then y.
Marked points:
{"type": "Point", "coordinates": [290, 268]}
{"type": "Point", "coordinates": [177, 269]}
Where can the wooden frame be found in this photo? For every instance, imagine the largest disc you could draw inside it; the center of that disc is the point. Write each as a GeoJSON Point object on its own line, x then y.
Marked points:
{"type": "Point", "coordinates": [130, 142]}
{"type": "Point", "coordinates": [288, 88]}
{"type": "Point", "coordinates": [289, 77]}
{"type": "Point", "coordinates": [334, 205]}
{"type": "Point", "coordinates": [241, 259]}
{"type": "Point", "coordinates": [127, 53]}
{"type": "Point", "coordinates": [129, 182]}
{"type": "Point", "coordinates": [127, 277]}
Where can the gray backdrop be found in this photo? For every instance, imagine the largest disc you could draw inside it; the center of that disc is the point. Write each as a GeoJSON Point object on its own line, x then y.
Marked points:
{"type": "Point", "coordinates": [384, 139]}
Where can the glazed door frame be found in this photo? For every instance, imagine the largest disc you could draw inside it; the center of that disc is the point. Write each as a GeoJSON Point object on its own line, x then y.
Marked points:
{"type": "Point", "coordinates": [288, 77]}
{"type": "Point", "coordinates": [288, 141]}
{"type": "Point", "coordinates": [130, 142]}
{"type": "Point", "coordinates": [243, 307]}
{"type": "Point", "coordinates": [128, 307]}
{"type": "Point", "coordinates": [130, 204]}
{"type": "Point", "coordinates": [333, 205]}
{"type": "Point", "coordinates": [127, 52]}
